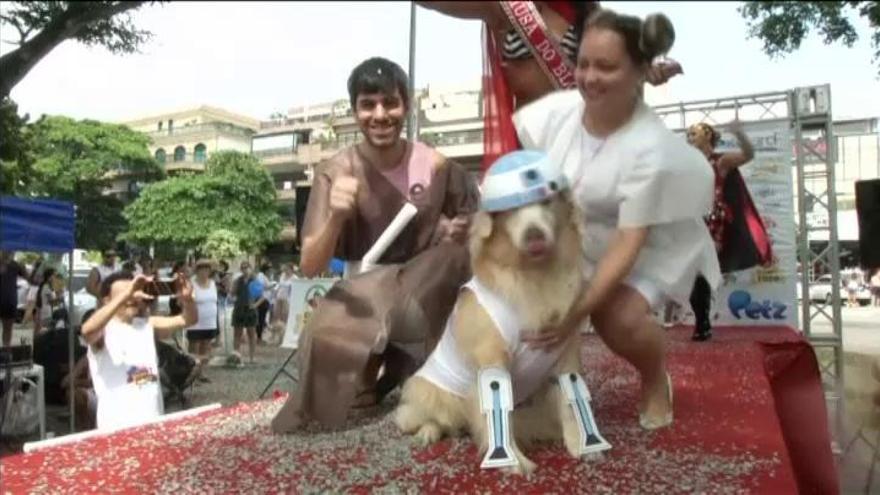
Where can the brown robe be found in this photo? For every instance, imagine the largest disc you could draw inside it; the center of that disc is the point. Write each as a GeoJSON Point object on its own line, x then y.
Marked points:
{"type": "Point", "coordinates": [397, 310]}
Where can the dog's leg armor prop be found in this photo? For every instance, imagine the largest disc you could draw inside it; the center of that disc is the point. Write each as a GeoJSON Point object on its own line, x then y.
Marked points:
{"type": "Point", "coordinates": [496, 403]}
{"type": "Point", "coordinates": [578, 397]}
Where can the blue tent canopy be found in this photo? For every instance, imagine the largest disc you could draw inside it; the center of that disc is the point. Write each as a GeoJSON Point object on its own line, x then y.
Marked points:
{"type": "Point", "coordinates": [44, 225]}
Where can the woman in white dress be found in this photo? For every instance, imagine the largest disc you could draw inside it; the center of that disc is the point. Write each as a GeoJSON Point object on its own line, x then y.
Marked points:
{"type": "Point", "coordinates": [282, 293]}
{"type": "Point", "coordinates": [643, 191]}
{"type": "Point", "coordinates": [205, 329]}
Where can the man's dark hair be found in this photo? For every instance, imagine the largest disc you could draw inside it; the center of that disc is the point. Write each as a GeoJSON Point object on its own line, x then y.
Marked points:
{"type": "Point", "coordinates": [378, 75]}
{"type": "Point", "coordinates": [114, 277]}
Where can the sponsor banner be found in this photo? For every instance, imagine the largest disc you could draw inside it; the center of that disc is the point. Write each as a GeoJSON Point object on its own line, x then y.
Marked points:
{"type": "Point", "coordinates": [304, 294]}
{"type": "Point", "coordinates": [764, 296]}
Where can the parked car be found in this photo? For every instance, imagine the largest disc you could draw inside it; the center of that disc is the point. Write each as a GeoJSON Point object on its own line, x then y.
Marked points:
{"type": "Point", "coordinates": [821, 290]}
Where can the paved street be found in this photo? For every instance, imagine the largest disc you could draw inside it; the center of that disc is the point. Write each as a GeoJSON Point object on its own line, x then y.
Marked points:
{"type": "Point", "coordinates": [861, 329]}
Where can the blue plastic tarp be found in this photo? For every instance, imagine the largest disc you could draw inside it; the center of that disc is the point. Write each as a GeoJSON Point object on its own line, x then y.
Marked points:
{"type": "Point", "coordinates": [42, 225]}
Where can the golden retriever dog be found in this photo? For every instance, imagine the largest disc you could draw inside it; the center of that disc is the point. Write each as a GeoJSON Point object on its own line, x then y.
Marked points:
{"type": "Point", "coordinates": [531, 258]}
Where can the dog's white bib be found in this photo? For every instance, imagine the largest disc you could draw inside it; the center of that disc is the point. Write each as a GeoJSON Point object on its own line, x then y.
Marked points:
{"type": "Point", "coordinates": [530, 368]}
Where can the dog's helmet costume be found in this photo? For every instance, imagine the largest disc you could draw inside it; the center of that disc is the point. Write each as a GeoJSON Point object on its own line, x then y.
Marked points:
{"type": "Point", "coordinates": [520, 178]}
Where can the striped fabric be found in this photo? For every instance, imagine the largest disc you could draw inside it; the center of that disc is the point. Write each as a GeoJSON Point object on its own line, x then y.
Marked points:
{"type": "Point", "coordinates": [515, 47]}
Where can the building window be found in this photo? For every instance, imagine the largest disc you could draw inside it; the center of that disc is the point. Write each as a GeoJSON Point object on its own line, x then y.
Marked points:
{"type": "Point", "coordinates": [199, 153]}
{"type": "Point", "coordinates": [159, 125]}
{"type": "Point", "coordinates": [160, 156]}
{"type": "Point", "coordinates": [179, 154]}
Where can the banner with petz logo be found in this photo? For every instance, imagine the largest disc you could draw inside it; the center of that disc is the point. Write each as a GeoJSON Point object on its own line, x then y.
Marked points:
{"type": "Point", "coordinates": [762, 296]}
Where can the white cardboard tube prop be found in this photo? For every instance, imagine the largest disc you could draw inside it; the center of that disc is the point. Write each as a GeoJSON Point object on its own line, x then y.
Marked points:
{"type": "Point", "coordinates": [52, 442]}
{"type": "Point", "coordinates": [404, 216]}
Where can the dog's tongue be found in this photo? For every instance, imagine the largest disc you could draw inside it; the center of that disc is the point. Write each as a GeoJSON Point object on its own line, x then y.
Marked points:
{"type": "Point", "coordinates": [536, 247]}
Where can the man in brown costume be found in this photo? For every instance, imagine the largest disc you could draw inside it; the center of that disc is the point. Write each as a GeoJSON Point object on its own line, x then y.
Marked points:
{"type": "Point", "coordinates": [394, 314]}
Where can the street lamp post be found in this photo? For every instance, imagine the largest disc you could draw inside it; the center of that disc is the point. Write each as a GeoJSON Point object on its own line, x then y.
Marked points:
{"type": "Point", "coordinates": [412, 118]}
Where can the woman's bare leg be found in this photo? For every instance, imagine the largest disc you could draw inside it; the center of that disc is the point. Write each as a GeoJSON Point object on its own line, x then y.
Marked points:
{"type": "Point", "coordinates": [626, 325]}
{"type": "Point", "coordinates": [236, 340]}
{"type": "Point", "coordinates": [252, 342]}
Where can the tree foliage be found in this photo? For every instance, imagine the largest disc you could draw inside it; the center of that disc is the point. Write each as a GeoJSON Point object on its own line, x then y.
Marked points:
{"type": "Point", "coordinates": [222, 244]}
{"type": "Point", "coordinates": [43, 25]}
{"type": "Point", "coordinates": [15, 158]}
{"type": "Point", "coordinates": [87, 155]}
{"type": "Point", "coordinates": [235, 194]}
{"type": "Point", "coordinates": [77, 161]}
{"type": "Point", "coordinates": [782, 26]}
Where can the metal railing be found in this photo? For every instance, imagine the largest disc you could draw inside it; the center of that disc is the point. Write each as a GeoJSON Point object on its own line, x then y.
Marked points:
{"type": "Point", "coordinates": [201, 128]}
{"type": "Point", "coordinates": [273, 152]}
{"type": "Point", "coordinates": [320, 118]}
{"type": "Point", "coordinates": [186, 159]}
{"type": "Point", "coordinates": [453, 138]}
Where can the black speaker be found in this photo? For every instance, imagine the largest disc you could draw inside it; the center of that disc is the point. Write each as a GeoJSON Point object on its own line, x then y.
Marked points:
{"type": "Point", "coordinates": [302, 200]}
{"type": "Point", "coordinates": [868, 210]}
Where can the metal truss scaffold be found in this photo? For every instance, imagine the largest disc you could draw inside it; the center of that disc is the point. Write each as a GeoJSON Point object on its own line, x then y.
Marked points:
{"type": "Point", "coordinates": [808, 113]}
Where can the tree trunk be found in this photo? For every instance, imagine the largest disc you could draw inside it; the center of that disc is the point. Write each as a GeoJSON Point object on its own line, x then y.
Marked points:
{"type": "Point", "coordinates": [17, 63]}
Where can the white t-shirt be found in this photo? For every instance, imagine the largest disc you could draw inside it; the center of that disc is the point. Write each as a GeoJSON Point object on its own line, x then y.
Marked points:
{"type": "Point", "coordinates": [46, 296]}
{"type": "Point", "coordinates": [105, 271]}
{"type": "Point", "coordinates": [206, 305]}
{"type": "Point", "coordinates": [125, 374]}
{"type": "Point", "coordinates": [447, 368]}
{"type": "Point", "coordinates": [268, 287]}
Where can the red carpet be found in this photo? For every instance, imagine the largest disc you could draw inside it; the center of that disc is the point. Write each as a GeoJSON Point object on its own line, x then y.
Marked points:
{"type": "Point", "coordinates": [726, 438]}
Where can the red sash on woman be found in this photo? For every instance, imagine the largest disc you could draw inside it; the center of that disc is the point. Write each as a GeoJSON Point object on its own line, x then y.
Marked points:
{"type": "Point", "coordinates": [499, 134]}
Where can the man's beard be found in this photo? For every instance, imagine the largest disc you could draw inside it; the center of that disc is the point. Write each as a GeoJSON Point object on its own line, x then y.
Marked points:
{"type": "Point", "coordinates": [384, 145]}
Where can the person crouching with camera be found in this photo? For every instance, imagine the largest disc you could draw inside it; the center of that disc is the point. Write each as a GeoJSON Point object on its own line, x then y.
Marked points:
{"type": "Point", "coordinates": [122, 352]}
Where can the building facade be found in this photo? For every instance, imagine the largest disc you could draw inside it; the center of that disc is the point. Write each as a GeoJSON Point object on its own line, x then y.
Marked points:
{"type": "Point", "coordinates": [183, 140]}
{"type": "Point", "coordinates": [449, 118]}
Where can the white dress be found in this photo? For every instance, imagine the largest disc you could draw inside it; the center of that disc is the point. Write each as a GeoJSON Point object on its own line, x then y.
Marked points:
{"type": "Point", "coordinates": [642, 175]}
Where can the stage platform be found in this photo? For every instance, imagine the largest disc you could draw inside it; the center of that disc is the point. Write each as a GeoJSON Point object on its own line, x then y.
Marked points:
{"type": "Point", "coordinates": [749, 418]}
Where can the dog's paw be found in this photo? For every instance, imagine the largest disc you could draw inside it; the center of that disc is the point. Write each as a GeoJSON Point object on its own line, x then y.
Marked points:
{"type": "Point", "coordinates": [525, 467]}
{"type": "Point", "coordinates": [571, 434]}
{"type": "Point", "coordinates": [573, 445]}
{"type": "Point", "coordinates": [404, 418]}
{"type": "Point", "coordinates": [428, 434]}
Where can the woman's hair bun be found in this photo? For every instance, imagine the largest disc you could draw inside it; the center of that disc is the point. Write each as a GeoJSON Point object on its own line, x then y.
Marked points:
{"type": "Point", "coordinates": [657, 36]}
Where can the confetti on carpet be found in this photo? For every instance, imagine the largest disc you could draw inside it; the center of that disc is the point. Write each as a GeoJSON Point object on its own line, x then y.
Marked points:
{"type": "Point", "coordinates": [726, 439]}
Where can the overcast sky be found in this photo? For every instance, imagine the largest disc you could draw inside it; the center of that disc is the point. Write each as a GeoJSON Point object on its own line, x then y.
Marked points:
{"type": "Point", "coordinates": [259, 58]}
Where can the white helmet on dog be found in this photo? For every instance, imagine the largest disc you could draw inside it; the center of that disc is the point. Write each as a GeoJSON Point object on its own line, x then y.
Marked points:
{"type": "Point", "coordinates": [520, 178]}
